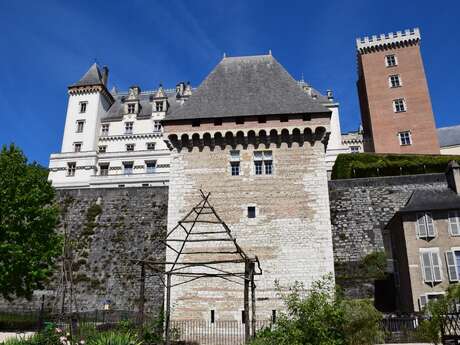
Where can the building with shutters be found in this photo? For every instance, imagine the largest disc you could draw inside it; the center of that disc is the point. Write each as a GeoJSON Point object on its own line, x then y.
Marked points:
{"type": "Point", "coordinates": [423, 242]}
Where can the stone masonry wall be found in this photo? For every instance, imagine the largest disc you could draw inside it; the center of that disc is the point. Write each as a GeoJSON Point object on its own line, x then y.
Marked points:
{"type": "Point", "coordinates": [291, 233]}
{"type": "Point", "coordinates": [360, 208]}
{"type": "Point", "coordinates": [108, 228]}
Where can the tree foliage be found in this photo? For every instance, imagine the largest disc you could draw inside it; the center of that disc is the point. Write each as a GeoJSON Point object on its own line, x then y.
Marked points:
{"type": "Point", "coordinates": [28, 218]}
{"type": "Point", "coordinates": [323, 317]}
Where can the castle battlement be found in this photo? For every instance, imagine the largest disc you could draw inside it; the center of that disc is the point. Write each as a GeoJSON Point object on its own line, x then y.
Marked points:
{"type": "Point", "coordinates": [408, 36]}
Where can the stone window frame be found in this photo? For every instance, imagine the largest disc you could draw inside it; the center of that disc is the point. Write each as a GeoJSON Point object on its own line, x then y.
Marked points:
{"type": "Point", "coordinates": [157, 127]}
{"type": "Point", "coordinates": [391, 60]}
{"type": "Point", "coordinates": [424, 298]}
{"type": "Point", "coordinates": [453, 270]}
{"type": "Point", "coordinates": [106, 171]}
{"type": "Point", "coordinates": [102, 149]}
{"type": "Point", "coordinates": [235, 162]}
{"type": "Point", "coordinates": [453, 217]}
{"type": "Point", "coordinates": [83, 106]}
{"type": "Point", "coordinates": [355, 149]}
{"type": "Point", "coordinates": [435, 268]}
{"type": "Point", "coordinates": [130, 147]}
{"type": "Point", "coordinates": [77, 146]}
{"type": "Point", "coordinates": [105, 129]}
{"type": "Point", "coordinates": [263, 164]}
{"type": "Point", "coordinates": [159, 106]}
{"type": "Point", "coordinates": [131, 108]}
{"type": "Point", "coordinates": [150, 146]}
{"type": "Point", "coordinates": [151, 169]}
{"type": "Point", "coordinates": [80, 126]}
{"type": "Point", "coordinates": [129, 125]}
{"type": "Point", "coordinates": [71, 168]}
{"type": "Point", "coordinates": [394, 81]}
{"type": "Point", "coordinates": [425, 228]}
{"type": "Point", "coordinates": [249, 209]}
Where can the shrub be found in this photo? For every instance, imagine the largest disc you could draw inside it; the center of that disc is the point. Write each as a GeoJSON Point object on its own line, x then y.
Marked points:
{"type": "Point", "coordinates": [115, 338]}
{"type": "Point", "coordinates": [372, 165]}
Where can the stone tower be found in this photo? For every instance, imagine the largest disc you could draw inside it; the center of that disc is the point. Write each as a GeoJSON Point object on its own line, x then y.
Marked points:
{"type": "Point", "coordinates": [256, 141]}
{"type": "Point", "coordinates": [395, 102]}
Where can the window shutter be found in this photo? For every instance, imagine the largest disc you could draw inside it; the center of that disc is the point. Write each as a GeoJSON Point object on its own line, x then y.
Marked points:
{"type": "Point", "coordinates": [423, 301]}
{"type": "Point", "coordinates": [451, 266]}
{"type": "Point", "coordinates": [454, 225]}
{"type": "Point", "coordinates": [426, 267]}
{"type": "Point", "coordinates": [430, 224]}
{"type": "Point", "coordinates": [421, 227]}
{"type": "Point", "coordinates": [436, 267]}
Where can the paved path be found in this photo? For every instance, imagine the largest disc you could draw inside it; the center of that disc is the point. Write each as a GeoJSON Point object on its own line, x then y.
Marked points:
{"type": "Point", "coordinates": [8, 335]}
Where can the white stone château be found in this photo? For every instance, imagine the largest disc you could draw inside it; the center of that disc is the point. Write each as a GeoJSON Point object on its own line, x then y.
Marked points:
{"type": "Point", "coordinates": [115, 139]}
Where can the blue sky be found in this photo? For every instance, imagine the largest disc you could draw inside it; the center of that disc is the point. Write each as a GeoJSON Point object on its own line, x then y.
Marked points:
{"type": "Point", "coordinates": [47, 45]}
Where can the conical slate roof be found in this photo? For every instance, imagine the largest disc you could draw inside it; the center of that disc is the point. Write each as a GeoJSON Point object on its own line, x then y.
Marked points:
{"type": "Point", "coordinates": [92, 77]}
{"type": "Point", "coordinates": [249, 85]}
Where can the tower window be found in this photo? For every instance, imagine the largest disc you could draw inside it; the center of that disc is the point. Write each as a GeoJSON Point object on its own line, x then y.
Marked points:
{"type": "Point", "coordinates": [83, 107]}
{"type": "Point", "coordinates": [128, 128]}
{"type": "Point", "coordinates": [80, 124]}
{"type": "Point", "coordinates": [129, 147]}
{"type": "Point", "coordinates": [159, 106]}
{"type": "Point", "coordinates": [77, 147]}
{"type": "Point", "coordinates": [243, 318]}
{"type": "Point", "coordinates": [399, 105]}
{"type": "Point", "coordinates": [394, 81]}
{"type": "Point", "coordinates": [102, 148]}
{"type": "Point", "coordinates": [251, 212]}
{"type": "Point", "coordinates": [273, 316]}
{"type": "Point", "coordinates": [131, 108]}
{"type": "Point", "coordinates": [105, 129]}
{"type": "Point", "coordinates": [235, 162]}
{"type": "Point", "coordinates": [157, 126]}
{"type": "Point", "coordinates": [212, 316]}
{"type": "Point", "coordinates": [391, 60]}
{"type": "Point", "coordinates": [150, 146]}
{"type": "Point", "coordinates": [71, 167]}
{"type": "Point", "coordinates": [104, 169]}
{"type": "Point", "coordinates": [263, 163]}
{"type": "Point", "coordinates": [405, 138]}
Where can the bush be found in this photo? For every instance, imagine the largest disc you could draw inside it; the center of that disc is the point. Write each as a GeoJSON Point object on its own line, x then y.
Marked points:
{"type": "Point", "coordinates": [18, 322]}
{"type": "Point", "coordinates": [371, 165]}
{"type": "Point", "coordinates": [323, 317]}
{"type": "Point", "coordinates": [115, 338]}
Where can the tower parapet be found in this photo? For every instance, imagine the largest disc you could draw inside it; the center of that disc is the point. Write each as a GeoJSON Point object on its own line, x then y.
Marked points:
{"type": "Point", "coordinates": [392, 39]}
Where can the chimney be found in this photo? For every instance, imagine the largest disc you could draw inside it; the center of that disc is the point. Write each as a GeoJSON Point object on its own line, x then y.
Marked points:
{"type": "Point", "coordinates": [453, 176]}
{"type": "Point", "coordinates": [105, 75]}
{"type": "Point", "coordinates": [330, 96]}
{"type": "Point", "coordinates": [180, 88]}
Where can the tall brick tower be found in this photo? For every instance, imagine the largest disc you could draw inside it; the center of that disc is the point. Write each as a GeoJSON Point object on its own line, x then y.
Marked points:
{"type": "Point", "coordinates": [393, 93]}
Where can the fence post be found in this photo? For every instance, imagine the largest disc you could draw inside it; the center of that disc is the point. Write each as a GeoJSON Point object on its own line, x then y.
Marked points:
{"type": "Point", "coordinates": [247, 277]}
{"type": "Point", "coordinates": [168, 309]}
{"type": "Point", "coordinates": [253, 301]}
{"type": "Point", "coordinates": [142, 295]}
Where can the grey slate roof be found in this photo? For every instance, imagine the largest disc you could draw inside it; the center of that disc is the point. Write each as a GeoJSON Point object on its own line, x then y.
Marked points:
{"type": "Point", "coordinates": [432, 199]}
{"type": "Point", "coordinates": [449, 136]}
{"type": "Point", "coordinates": [92, 77]}
{"type": "Point", "coordinates": [249, 85]}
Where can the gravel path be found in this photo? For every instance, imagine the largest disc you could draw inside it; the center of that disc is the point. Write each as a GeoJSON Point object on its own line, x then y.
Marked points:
{"type": "Point", "coordinates": [7, 335]}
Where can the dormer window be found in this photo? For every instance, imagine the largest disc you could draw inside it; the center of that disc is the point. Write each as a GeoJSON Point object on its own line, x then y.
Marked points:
{"type": "Point", "coordinates": [159, 106]}
{"type": "Point", "coordinates": [131, 108]}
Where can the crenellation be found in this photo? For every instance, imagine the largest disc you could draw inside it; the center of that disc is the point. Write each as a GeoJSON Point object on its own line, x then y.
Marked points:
{"type": "Point", "coordinates": [408, 36]}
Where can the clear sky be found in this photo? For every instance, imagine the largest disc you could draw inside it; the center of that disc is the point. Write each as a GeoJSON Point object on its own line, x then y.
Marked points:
{"type": "Point", "coordinates": [47, 45]}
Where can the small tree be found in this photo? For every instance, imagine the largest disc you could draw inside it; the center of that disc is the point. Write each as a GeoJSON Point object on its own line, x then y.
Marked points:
{"type": "Point", "coordinates": [28, 218]}
{"type": "Point", "coordinates": [322, 317]}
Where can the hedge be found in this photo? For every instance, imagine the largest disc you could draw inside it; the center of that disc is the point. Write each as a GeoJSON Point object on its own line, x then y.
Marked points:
{"type": "Point", "coordinates": [371, 165]}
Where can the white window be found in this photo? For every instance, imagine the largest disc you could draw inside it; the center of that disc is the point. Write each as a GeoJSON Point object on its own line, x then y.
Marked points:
{"type": "Point", "coordinates": [405, 138]}
{"type": "Point", "coordinates": [71, 167]}
{"type": "Point", "coordinates": [394, 80]}
{"type": "Point", "coordinates": [453, 264]}
{"type": "Point", "coordinates": [399, 105]}
{"type": "Point", "coordinates": [102, 149]}
{"type": "Point", "coordinates": [159, 106]}
{"type": "Point", "coordinates": [129, 147]}
{"type": "Point", "coordinates": [104, 169]}
{"type": "Point", "coordinates": [83, 107]}
{"type": "Point", "coordinates": [424, 299]}
{"type": "Point", "coordinates": [150, 146]}
{"type": "Point", "coordinates": [431, 265]}
{"type": "Point", "coordinates": [77, 146]}
{"type": "Point", "coordinates": [157, 126]}
{"type": "Point", "coordinates": [128, 128]}
{"type": "Point", "coordinates": [425, 227]}
{"type": "Point", "coordinates": [131, 108]}
{"type": "Point", "coordinates": [263, 162]}
{"type": "Point", "coordinates": [105, 129]}
{"type": "Point", "coordinates": [391, 61]}
{"type": "Point", "coordinates": [235, 162]}
{"type": "Point", "coordinates": [80, 124]}
{"type": "Point", "coordinates": [150, 167]}
{"type": "Point", "coordinates": [454, 223]}
{"type": "Point", "coordinates": [128, 168]}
